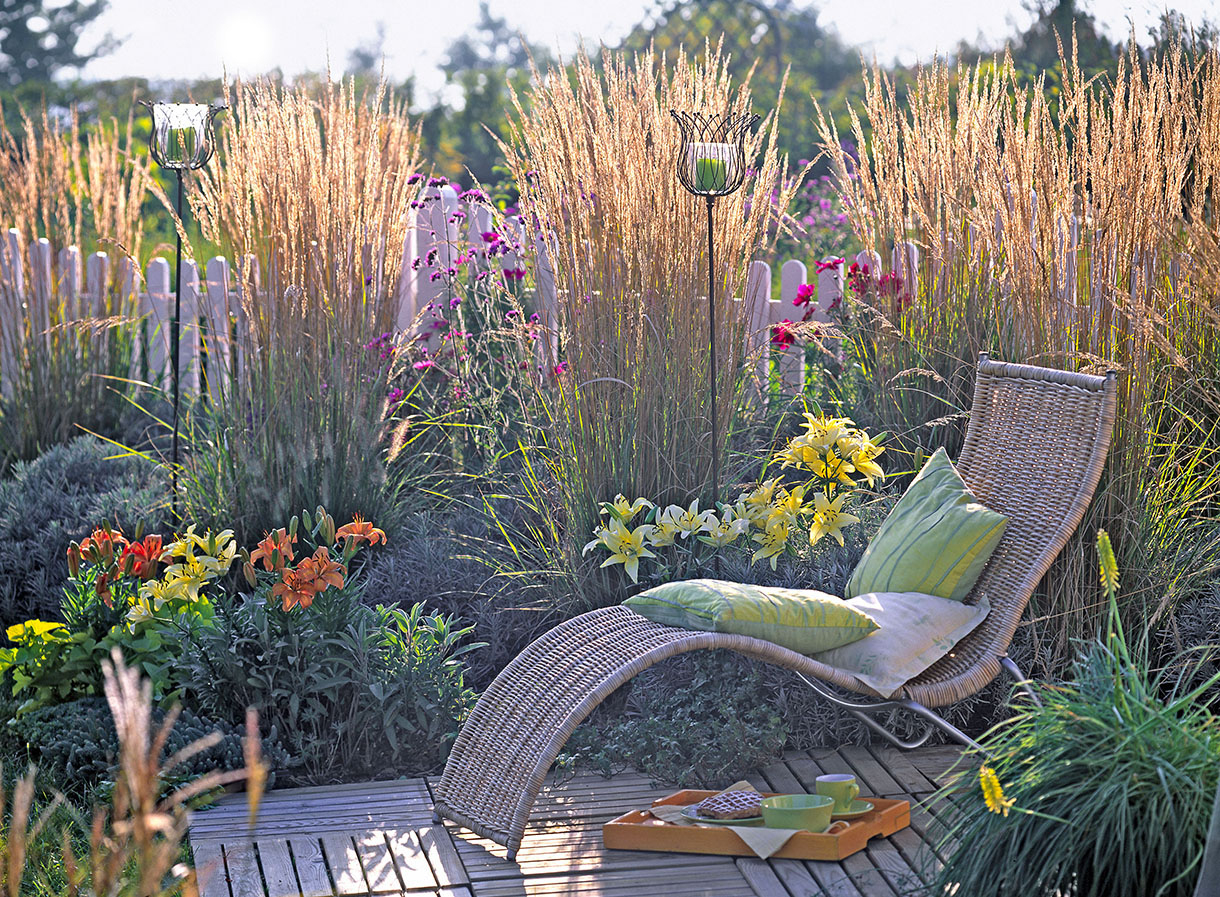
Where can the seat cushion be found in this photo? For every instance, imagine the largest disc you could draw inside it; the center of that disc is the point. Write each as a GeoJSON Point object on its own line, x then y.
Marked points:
{"type": "Point", "coordinates": [937, 540]}
{"type": "Point", "coordinates": [914, 631]}
{"type": "Point", "coordinates": [803, 620]}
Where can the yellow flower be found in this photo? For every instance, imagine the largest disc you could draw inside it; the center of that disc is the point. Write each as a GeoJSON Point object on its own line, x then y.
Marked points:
{"type": "Point", "coordinates": [1108, 563]}
{"type": "Point", "coordinates": [823, 432]}
{"type": "Point", "coordinates": [626, 546]}
{"type": "Point", "coordinates": [664, 533]}
{"type": "Point", "coordinates": [725, 530]}
{"type": "Point", "coordinates": [864, 461]}
{"type": "Point", "coordinates": [624, 510]}
{"type": "Point", "coordinates": [832, 468]}
{"type": "Point", "coordinates": [829, 519]}
{"type": "Point", "coordinates": [772, 541]}
{"type": "Point", "coordinates": [993, 792]}
{"type": "Point", "coordinates": [756, 505]}
{"type": "Point", "coordinates": [216, 550]}
{"type": "Point", "coordinates": [691, 520]}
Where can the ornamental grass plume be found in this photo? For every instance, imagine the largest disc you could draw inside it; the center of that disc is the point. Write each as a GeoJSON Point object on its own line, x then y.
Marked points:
{"type": "Point", "coordinates": [63, 358]}
{"type": "Point", "coordinates": [595, 151]}
{"type": "Point", "coordinates": [311, 200]}
{"type": "Point", "coordinates": [1073, 228]}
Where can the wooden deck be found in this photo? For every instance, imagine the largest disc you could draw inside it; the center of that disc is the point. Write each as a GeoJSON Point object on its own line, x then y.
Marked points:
{"type": "Point", "coordinates": [379, 839]}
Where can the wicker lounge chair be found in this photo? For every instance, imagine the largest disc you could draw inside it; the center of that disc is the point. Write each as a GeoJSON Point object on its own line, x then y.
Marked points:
{"type": "Point", "coordinates": [1034, 450]}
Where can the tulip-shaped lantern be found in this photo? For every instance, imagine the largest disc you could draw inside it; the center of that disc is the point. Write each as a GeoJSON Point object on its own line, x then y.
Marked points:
{"type": "Point", "coordinates": [181, 140]}
{"type": "Point", "coordinates": [711, 163]}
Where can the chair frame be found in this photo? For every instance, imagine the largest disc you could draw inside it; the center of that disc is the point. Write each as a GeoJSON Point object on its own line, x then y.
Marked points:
{"type": "Point", "coordinates": [502, 755]}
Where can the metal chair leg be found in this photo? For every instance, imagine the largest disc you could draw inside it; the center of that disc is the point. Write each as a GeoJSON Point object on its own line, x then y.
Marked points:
{"type": "Point", "coordinates": [1023, 682]}
{"type": "Point", "coordinates": [862, 710]}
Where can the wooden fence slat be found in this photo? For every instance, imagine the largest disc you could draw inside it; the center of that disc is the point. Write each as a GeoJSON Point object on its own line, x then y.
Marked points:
{"type": "Point", "coordinates": [97, 281]}
{"type": "Point", "coordinates": [217, 336]}
{"type": "Point", "coordinates": [188, 331]}
{"type": "Point", "coordinates": [41, 292]}
{"type": "Point", "coordinates": [157, 326]}
{"type": "Point", "coordinates": [68, 271]}
{"type": "Point", "coordinates": [791, 361]}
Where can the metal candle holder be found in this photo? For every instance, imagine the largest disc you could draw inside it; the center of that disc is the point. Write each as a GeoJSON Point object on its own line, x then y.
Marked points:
{"type": "Point", "coordinates": [181, 140]}
{"type": "Point", "coordinates": [711, 163]}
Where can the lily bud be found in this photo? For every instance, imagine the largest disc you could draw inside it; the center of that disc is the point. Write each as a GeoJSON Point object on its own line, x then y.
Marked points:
{"type": "Point", "coordinates": [292, 526]}
{"type": "Point", "coordinates": [247, 570]}
{"type": "Point", "coordinates": [73, 560]}
{"type": "Point", "coordinates": [307, 520]}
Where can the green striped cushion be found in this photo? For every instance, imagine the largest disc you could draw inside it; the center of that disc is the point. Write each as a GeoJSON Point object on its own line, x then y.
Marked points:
{"type": "Point", "coordinates": [936, 540]}
{"type": "Point", "coordinates": [803, 620]}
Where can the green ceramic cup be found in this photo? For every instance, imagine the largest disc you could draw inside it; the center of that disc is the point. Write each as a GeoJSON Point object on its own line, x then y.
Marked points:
{"type": "Point", "coordinates": [810, 812]}
{"type": "Point", "coordinates": [841, 787]}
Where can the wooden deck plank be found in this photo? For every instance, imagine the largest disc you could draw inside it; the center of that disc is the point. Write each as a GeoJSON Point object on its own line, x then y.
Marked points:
{"type": "Point", "coordinates": [806, 770]}
{"type": "Point", "coordinates": [244, 880]}
{"type": "Point", "coordinates": [874, 779]}
{"type": "Point", "coordinates": [311, 867]}
{"type": "Point", "coordinates": [919, 856]}
{"type": "Point", "coordinates": [832, 879]}
{"type": "Point", "coordinates": [830, 761]}
{"type": "Point", "coordinates": [936, 762]}
{"type": "Point", "coordinates": [210, 868]}
{"type": "Point", "coordinates": [761, 878]}
{"type": "Point", "coordinates": [377, 863]}
{"type": "Point", "coordinates": [623, 883]}
{"type": "Point", "coordinates": [781, 779]}
{"type": "Point", "coordinates": [454, 892]}
{"type": "Point", "coordinates": [344, 864]}
{"type": "Point", "coordinates": [893, 866]}
{"type": "Point", "coordinates": [866, 877]}
{"type": "Point", "coordinates": [276, 860]}
{"type": "Point", "coordinates": [443, 856]}
{"type": "Point", "coordinates": [899, 765]}
{"type": "Point", "coordinates": [412, 860]}
{"type": "Point", "coordinates": [794, 876]}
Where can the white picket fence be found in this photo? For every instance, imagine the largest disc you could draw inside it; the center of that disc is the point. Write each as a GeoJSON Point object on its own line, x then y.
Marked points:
{"type": "Point", "coordinates": [213, 321]}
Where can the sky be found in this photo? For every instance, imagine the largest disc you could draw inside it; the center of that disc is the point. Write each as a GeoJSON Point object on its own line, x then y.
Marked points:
{"type": "Point", "coordinates": [169, 39]}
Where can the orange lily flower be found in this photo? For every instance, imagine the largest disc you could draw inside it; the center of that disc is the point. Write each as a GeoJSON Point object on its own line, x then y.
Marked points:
{"type": "Point", "coordinates": [101, 545]}
{"type": "Point", "coordinates": [140, 559]}
{"type": "Point", "coordinates": [360, 530]}
{"type": "Point", "coordinates": [294, 589]}
{"type": "Point", "coordinates": [275, 551]}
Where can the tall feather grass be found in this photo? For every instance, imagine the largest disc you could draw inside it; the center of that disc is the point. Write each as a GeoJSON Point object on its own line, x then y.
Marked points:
{"type": "Point", "coordinates": [311, 200]}
{"type": "Point", "coordinates": [1073, 229]}
{"type": "Point", "coordinates": [66, 361]}
{"type": "Point", "coordinates": [595, 150]}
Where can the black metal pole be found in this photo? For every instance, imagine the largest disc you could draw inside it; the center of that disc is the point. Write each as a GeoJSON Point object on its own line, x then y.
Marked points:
{"type": "Point", "coordinates": [173, 350]}
{"type": "Point", "coordinates": [711, 315]}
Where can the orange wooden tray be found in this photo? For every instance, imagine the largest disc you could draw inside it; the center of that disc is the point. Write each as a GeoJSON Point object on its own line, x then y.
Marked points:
{"type": "Point", "coordinates": [639, 830]}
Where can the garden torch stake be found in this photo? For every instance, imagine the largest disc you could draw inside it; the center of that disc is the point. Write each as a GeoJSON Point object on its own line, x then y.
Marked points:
{"type": "Point", "coordinates": [711, 315]}
{"type": "Point", "coordinates": [174, 350]}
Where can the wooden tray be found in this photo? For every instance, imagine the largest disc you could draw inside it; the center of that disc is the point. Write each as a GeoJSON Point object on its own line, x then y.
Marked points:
{"type": "Point", "coordinates": [639, 830]}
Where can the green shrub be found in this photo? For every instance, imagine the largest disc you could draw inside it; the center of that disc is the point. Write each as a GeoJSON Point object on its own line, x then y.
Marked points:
{"type": "Point", "coordinates": [353, 690]}
{"type": "Point", "coordinates": [1105, 788]}
{"type": "Point", "coordinates": [706, 731]}
{"type": "Point", "coordinates": [54, 499]}
{"type": "Point", "coordinates": [77, 744]}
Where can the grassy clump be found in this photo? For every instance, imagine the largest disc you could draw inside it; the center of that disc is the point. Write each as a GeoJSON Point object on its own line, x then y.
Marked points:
{"type": "Point", "coordinates": [1107, 786]}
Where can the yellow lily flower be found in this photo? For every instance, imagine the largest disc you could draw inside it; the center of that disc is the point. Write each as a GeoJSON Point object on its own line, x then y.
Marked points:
{"type": "Point", "coordinates": [758, 502]}
{"type": "Point", "coordinates": [829, 519]}
{"type": "Point", "coordinates": [624, 510]}
{"type": "Point", "coordinates": [691, 520]}
{"type": "Point", "coordinates": [823, 432]}
{"type": "Point", "coordinates": [664, 533]}
{"type": "Point", "coordinates": [773, 540]}
{"type": "Point", "coordinates": [627, 547]}
{"type": "Point", "coordinates": [726, 530]}
{"type": "Point", "coordinates": [864, 461]}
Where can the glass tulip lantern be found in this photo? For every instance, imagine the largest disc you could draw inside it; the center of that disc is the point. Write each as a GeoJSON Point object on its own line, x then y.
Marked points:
{"type": "Point", "coordinates": [181, 140]}
{"type": "Point", "coordinates": [711, 163]}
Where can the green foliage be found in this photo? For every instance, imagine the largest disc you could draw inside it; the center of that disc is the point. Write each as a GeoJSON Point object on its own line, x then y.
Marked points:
{"type": "Point", "coordinates": [353, 690]}
{"type": "Point", "coordinates": [703, 732]}
{"type": "Point", "coordinates": [55, 662]}
{"type": "Point", "coordinates": [54, 499]}
{"type": "Point", "coordinates": [1108, 785]}
{"type": "Point", "coordinates": [38, 39]}
{"type": "Point", "coordinates": [76, 743]}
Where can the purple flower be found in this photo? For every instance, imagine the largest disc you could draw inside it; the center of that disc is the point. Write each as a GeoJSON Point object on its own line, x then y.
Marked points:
{"type": "Point", "coordinates": [437, 182]}
{"type": "Point", "coordinates": [423, 365]}
{"type": "Point", "coordinates": [415, 178]}
{"type": "Point", "coordinates": [490, 236]}
{"type": "Point", "coordinates": [511, 313]}
{"type": "Point", "coordinates": [455, 302]}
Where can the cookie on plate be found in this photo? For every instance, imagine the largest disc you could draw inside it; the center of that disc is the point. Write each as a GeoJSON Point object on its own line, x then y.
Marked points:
{"type": "Point", "coordinates": [742, 804]}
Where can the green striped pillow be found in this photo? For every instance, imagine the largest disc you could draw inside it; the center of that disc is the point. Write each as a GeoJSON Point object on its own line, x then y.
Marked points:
{"type": "Point", "coordinates": [803, 620]}
{"type": "Point", "coordinates": [936, 540]}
